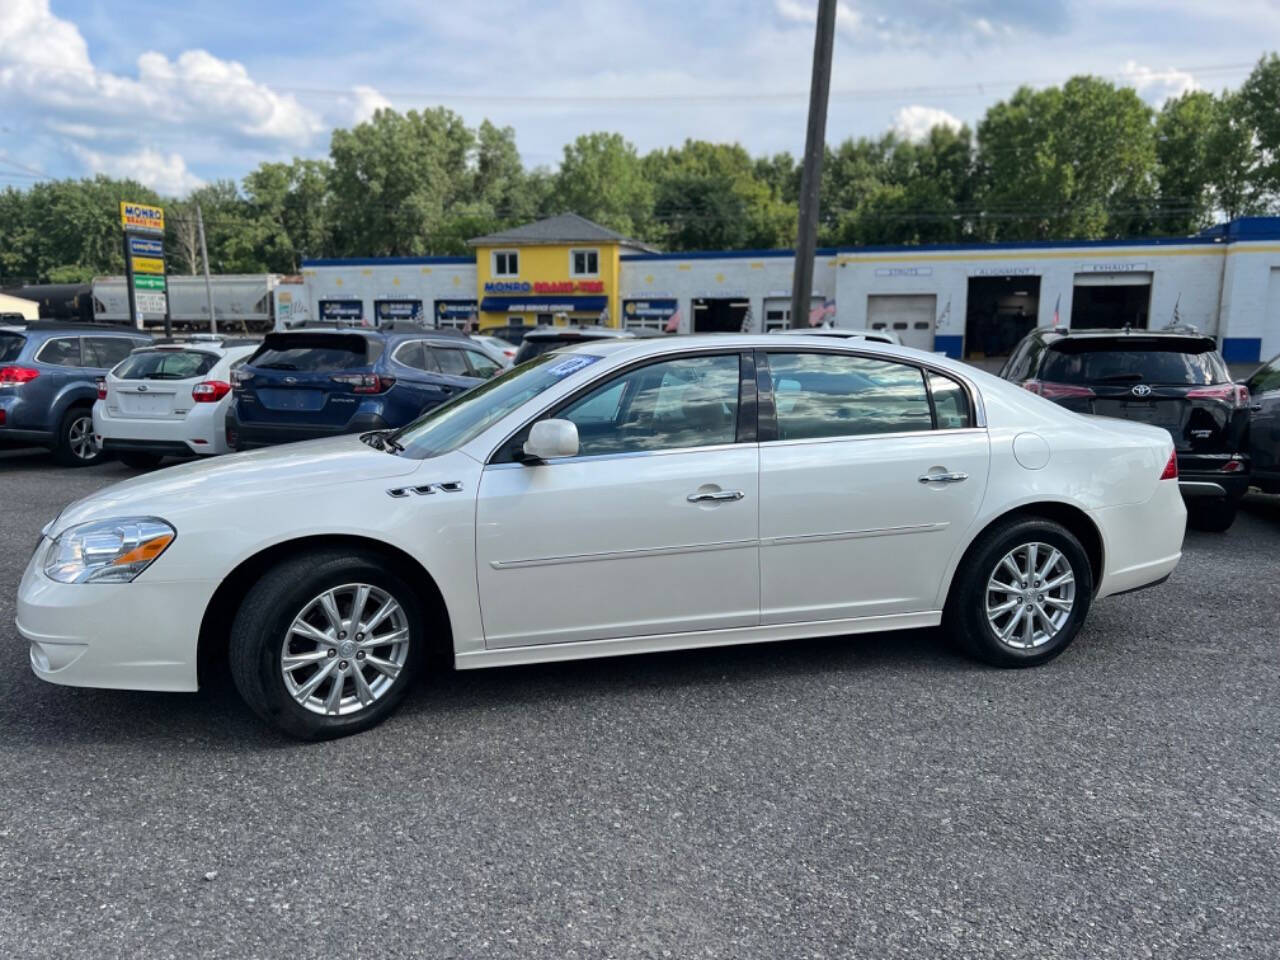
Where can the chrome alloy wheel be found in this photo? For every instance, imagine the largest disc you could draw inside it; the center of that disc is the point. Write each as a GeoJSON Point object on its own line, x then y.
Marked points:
{"type": "Point", "coordinates": [345, 649]}
{"type": "Point", "coordinates": [1030, 595]}
{"type": "Point", "coordinates": [80, 438]}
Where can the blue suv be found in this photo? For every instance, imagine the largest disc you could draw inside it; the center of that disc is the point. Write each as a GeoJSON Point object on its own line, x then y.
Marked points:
{"type": "Point", "coordinates": [304, 384]}
{"type": "Point", "coordinates": [49, 382]}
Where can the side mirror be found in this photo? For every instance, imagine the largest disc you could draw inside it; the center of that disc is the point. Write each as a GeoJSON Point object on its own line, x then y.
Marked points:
{"type": "Point", "coordinates": [549, 439]}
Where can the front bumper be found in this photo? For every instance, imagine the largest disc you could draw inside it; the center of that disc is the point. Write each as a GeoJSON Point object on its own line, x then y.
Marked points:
{"type": "Point", "coordinates": [126, 636]}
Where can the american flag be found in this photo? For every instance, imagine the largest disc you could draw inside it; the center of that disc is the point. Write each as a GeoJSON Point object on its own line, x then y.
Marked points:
{"type": "Point", "coordinates": [822, 313]}
{"type": "Point", "coordinates": [1056, 305]}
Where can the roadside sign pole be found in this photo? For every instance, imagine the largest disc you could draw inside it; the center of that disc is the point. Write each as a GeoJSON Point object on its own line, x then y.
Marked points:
{"type": "Point", "coordinates": [135, 316]}
{"type": "Point", "coordinates": [208, 284]}
{"type": "Point", "coordinates": [815, 143]}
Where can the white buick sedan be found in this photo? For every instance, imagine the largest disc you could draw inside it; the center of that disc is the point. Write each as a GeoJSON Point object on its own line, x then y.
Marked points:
{"type": "Point", "coordinates": [619, 497]}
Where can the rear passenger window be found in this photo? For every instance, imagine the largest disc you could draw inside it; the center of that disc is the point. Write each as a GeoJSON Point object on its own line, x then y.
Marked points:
{"type": "Point", "coordinates": [819, 395]}
{"type": "Point", "coordinates": [61, 352]}
{"type": "Point", "coordinates": [410, 354]}
{"type": "Point", "coordinates": [950, 402]}
{"type": "Point", "coordinates": [481, 366]}
{"type": "Point", "coordinates": [451, 362]}
{"type": "Point", "coordinates": [106, 352]}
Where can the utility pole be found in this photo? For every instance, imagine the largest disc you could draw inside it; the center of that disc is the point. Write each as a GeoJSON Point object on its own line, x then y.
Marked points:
{"type": "Point", "coordinates": [208, 284]}
{"type": "Point", "coordinates": [811, 174]}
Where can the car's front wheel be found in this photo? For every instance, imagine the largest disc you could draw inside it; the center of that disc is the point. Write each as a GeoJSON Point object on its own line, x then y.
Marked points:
{"type": "Point", "coordinates": [326, 645]}
{"type": "Point", "coordinates": [1021, 593]}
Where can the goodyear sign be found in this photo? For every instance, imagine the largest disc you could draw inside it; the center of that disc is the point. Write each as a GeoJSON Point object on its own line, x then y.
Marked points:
{"type": "Point", "coordinates": [141, 216]}
{"type": "Point", "coordinates": [146, 247]}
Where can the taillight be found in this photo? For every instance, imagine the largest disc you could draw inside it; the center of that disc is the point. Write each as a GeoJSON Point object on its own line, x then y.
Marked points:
{"type": "Point", "coordinates": [1233, 466]}
{"type": "Point", "coordinates": [239, 377]}
{"type": "Point", "coordinates": [16, 376]}
{"type": "Point", "coordinates": [210, 391]}
{"type": "Point", "coordinates": [365, 382]}
{"type": "Point", "coordinates": [1055, 391]}
{"type": "Point", "coordinates": [102, 388]}
{"type": "Point", "coordinates": [1171, 468]}
{"type": "Point", "coordinates": [1236, 393]}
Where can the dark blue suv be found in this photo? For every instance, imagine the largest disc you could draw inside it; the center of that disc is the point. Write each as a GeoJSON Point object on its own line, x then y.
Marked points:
{"type": "Point", "coordinates": [304, 384]}
{"type": "Point", "coordinates": [48, 384]}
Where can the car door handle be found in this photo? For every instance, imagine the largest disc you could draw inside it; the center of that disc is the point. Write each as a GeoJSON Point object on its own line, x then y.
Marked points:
{"type": "Point", "coordinates": [943, 477]}
{"type": "Point", "coordinates": [715, 497]}
{"type": "Point", "coordinates": [1255, 407]}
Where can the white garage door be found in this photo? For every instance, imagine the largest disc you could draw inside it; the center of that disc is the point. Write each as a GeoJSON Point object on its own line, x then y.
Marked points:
{"type": "Point", "coordinates": [911, 317]}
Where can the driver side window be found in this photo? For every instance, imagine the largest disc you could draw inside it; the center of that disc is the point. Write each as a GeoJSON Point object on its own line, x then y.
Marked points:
{"type": "Point", "coordinates": [689, 402]}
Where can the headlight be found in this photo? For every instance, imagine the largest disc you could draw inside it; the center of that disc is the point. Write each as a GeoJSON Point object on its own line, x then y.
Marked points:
{"type": "Point", "coordinates": [107, 551]}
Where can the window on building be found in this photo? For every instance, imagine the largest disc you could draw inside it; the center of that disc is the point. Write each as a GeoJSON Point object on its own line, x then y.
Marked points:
{"type": "Point", "coordinates": [506, 263]}
{"type": "Point", "coordinates": [585, 263]}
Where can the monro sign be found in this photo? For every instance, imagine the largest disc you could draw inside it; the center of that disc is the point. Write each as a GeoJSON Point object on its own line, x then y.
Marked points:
{"type": "Point", "coordinates": [142, 216]}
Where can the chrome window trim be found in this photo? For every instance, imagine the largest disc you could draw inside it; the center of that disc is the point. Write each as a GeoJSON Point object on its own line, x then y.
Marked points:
{"type": "Point", "coordinates": [629, 455]}
{"type": "Point", "coordinates": [862, 437]}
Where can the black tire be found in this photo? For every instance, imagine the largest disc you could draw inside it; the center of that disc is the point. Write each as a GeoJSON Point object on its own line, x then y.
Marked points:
{"type": "Point", "coordinates": [139, 461]}
{"type": "Point", "coordinates": [260, 628]}
{"type": "Point", "coordinates": [966, 620]}
{"type": "Point", "coordinates": [1213, 514]}
{"type": "Point", "coordinates": [70, 448]}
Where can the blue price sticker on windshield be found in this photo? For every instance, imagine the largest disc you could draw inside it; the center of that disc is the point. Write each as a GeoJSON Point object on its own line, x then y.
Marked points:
{"type": "Point", "coordinates": [571, 365]}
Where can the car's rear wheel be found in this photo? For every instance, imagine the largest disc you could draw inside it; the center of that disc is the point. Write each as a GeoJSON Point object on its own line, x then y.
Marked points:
{"type": "Point", "coordinates": [75, 444]}
{"type": "Point", "coordinates": [1021, 594]}
{"type": "Point", "coordinates": [326, 645]}
{"type": "Point", "coordinates": [1214, 514]}
{"type": "Point", "coordinates": [140, 461]}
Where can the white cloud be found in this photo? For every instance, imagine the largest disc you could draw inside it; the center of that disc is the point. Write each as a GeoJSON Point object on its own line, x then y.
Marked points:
{"type": "Point", "coordinates": [363, 103]}
{"type": "Point", "coordinates": [915, 122]}
{"type": "Point", "coordinates": [50, 84]}
{"type": "Point", "coordinates": [1157, 86]}
{"type": "Point", "coordinates": [166, 173]}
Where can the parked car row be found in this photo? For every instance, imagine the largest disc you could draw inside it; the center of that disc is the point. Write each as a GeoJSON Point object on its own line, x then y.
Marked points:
{"type": "Point", "coordinates": [87, 392]}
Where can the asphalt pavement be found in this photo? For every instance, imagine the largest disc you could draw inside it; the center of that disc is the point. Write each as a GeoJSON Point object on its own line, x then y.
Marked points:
{"type": "Point", "coordinates": [873, 796]}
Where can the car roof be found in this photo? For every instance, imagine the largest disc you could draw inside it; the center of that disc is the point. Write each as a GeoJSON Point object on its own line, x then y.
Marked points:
{"type": "Point", "coordinates": [641, 347]}
{"type": "Point", "coordinates": [58, 328]}
{"type": "Point", "coordinates": [578, 333]}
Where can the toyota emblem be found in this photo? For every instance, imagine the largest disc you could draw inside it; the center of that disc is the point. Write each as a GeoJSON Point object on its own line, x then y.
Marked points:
{"type": "Point", "coordinates": [1141, 390]}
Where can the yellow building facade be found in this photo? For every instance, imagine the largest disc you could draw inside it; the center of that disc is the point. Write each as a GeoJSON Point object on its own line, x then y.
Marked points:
{"type": "Point", "coordinates": [561, 270]}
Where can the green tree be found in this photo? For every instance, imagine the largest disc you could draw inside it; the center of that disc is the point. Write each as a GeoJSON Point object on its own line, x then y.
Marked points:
{"type": "Point", "coordinates": [708, 196]}
{"type": "Point", "coordinates": [396, 179]}
{"type": "Point", "coordinates": [1259, 108]}
{"type": "Point", "coordinates": [602, 179]}
{"type": "Point", "coordinates": [1184, 173]}
{"type": "Point", "coordinates": [1076, 161]}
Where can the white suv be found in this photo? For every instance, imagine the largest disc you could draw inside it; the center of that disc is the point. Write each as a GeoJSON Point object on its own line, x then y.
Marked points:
{"type": "Point", "coordinates": [168, 400]}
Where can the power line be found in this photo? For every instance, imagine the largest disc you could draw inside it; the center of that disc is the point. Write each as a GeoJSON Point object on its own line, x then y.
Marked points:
{"type": "Point", "coordinates": [968, 88]}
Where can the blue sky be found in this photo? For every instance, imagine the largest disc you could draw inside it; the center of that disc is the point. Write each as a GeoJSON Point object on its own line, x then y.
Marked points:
{"type": "Point", "coordinates": [179, 94]}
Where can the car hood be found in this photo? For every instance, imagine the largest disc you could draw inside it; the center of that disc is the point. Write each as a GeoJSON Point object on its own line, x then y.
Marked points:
{"type": "Point", "coordinates": [287, 469]}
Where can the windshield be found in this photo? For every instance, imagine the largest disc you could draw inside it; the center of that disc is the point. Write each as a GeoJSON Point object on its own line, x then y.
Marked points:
{"type": "Point", "coordinates": [1134, 360]}
{"type": "Point", "coordinates": [166, 365]}
{"type": "Point", "coordinates": [464, 418]}
{"type": "Point", "coordinates": [312, 352]}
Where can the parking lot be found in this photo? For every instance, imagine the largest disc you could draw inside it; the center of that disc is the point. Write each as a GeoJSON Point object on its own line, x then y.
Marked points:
{"type": "Point", "coordinates": [871, 796]}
